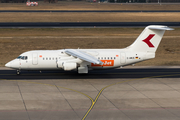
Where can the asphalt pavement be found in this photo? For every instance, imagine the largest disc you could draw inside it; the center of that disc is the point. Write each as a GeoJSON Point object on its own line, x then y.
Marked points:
{"type": "Point", "coordinates": [126, 72]}
{"type": "Point", "coordinates": [82, 24]}
{"type": "Point", "coordinates": [132, 93]}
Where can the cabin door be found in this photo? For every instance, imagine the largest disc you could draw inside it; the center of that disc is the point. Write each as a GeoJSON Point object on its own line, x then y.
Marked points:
{"type": "Point", "coordinates": [123, 58]}
{"type": "Point", "coordinates": [34, 58]}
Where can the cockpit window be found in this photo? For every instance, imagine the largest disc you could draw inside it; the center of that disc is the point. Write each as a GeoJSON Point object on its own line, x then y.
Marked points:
{"type": "Point", "coordinates": [22, 57]}
{"type": "Point", "coordinates": [19, 57]}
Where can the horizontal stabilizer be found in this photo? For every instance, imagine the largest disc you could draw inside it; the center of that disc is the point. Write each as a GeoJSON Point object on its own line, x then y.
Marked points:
{"type": "Point", "coordinates": [155, 27]}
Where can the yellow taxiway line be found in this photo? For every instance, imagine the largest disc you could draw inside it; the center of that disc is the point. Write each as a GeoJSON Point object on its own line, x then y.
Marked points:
{"type": "Point", "coordinates": [98, 95]}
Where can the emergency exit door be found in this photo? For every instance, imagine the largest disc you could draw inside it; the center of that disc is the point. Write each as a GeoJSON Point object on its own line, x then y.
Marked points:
{"type": "Point", "coordinates": [34, 58]}
{"type": "Point", "coordinates": [123, 58]}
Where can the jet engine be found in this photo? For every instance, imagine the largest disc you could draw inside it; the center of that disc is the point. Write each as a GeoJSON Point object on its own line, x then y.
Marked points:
{"type": "Point", "coordinates": [67, 66]}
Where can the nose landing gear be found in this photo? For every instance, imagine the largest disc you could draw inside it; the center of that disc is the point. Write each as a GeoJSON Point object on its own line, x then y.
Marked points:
{"type": "Point", "coordinates": [18, 72]}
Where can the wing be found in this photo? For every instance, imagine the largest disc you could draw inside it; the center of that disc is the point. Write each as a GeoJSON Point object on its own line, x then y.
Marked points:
{"type": "Point", "coordinates": [83, 56]}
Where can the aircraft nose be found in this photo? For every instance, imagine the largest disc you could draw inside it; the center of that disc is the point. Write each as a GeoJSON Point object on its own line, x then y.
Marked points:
{"type": "Point", "coordinates": [8, 64]}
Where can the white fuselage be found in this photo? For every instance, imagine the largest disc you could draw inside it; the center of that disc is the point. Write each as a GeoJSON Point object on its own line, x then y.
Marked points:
{"type": "Point", "coordinates": [48, 59]}
{"type": "Point", "coordinates": [143, 48]}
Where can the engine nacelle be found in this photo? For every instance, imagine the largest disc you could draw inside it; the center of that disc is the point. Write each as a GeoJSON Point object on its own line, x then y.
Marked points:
{"type": "Point", "coordinates": [67, 66]}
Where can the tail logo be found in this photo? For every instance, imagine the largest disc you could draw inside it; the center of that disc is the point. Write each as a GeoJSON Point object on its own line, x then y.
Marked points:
{"type": "Point", "coordinates": [147, 40]}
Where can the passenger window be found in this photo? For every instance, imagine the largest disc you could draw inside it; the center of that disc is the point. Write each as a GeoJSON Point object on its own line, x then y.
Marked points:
{"type": "Point", "coordinates": [101, 58]}
{"type": "Point", "coordinates": [49, 58]}
{"type": "Point", "coordinates": [104, 57]}
{"type": "Point", "coordinates": [52, 58]}
{"type": "Point", "coordinates": [111, 58]}
{"type": "Point", "coordinates": [43, 58]}
{"type": "Point", "coordinates": [46, 58]}
{"type": "Point", "coordinates": [108, 58]}
{"type": "Point", "coordinates": [114, 57]}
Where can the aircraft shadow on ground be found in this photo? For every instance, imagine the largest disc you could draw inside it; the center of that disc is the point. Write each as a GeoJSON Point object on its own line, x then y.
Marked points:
{"type": "Point", "coordinates": [95, 74]}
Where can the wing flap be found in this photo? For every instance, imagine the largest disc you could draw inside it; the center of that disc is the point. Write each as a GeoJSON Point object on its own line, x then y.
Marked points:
{"type": "Point", "coordinates": [83, 56]}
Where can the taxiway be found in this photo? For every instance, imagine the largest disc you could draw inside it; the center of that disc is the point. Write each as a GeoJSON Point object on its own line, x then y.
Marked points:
{"type": "Point", "coordinates": [82, 24]}
{"type": "Point", "coordinates": [120, 94]}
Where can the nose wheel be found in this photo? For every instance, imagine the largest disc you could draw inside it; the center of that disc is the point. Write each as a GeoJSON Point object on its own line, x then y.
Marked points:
{"type": "Point", "coordinates": [18, 72]}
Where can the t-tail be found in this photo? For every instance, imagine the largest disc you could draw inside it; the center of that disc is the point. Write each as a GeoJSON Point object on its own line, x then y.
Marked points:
{"type": "Point", "coordinates": [149, 40]}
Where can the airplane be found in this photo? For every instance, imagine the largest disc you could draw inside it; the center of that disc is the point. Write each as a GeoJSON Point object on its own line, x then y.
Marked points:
{"type": "Point", "coordinates": [83, 60]}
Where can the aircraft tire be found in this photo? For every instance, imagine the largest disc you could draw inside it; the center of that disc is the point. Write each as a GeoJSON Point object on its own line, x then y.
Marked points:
{"type": "Point", "coordinates": [18, 72]}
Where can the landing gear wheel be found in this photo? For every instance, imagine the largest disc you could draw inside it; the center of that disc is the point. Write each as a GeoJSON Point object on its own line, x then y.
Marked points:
{"type": "Point", "coordinates": [18, 72]}
{"type": "Point", "coordinates": [83, 70]}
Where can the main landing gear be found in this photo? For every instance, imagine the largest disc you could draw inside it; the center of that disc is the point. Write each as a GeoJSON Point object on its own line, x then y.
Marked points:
{"type": "Point", "coordinates": [18, 72]}
{"type": "Point", "coordinates": [83, 70]}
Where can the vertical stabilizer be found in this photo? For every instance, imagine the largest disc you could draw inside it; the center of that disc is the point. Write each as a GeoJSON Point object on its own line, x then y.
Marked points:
{"type": "Point", "coordinates": [149, 39]}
